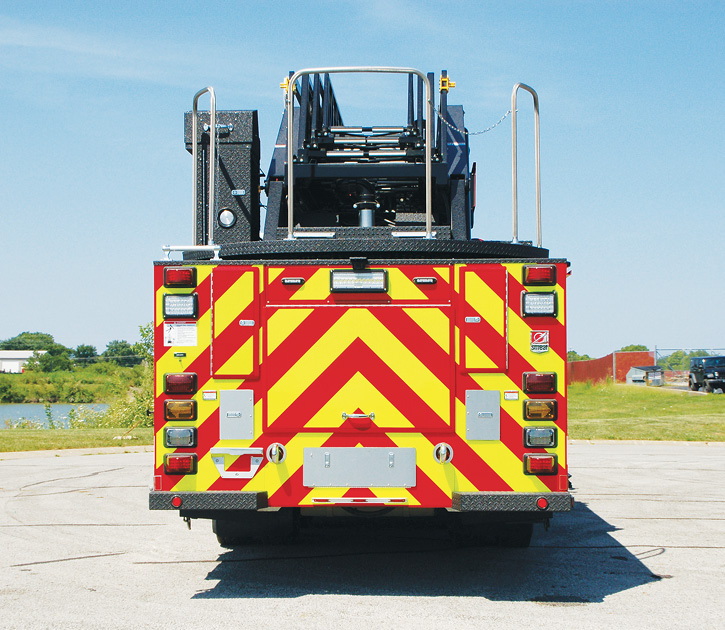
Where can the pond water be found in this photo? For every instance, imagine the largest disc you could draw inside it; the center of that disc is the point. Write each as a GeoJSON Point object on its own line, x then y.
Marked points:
{"type": "Point", "coordinates": [35, 412]}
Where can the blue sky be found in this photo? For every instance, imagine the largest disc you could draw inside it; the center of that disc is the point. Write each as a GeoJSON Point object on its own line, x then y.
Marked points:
{"type": "Point", "coordinates": [94, 177]}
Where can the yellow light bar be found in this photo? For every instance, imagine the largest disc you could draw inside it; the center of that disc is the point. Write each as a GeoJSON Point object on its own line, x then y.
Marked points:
{"type": "Point", "coordinates": [540, 409]}
{"type": "Point", "coordinates": [180, 410]}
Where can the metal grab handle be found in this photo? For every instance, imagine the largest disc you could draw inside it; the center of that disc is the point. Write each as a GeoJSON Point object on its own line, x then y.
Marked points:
{"type": "Point", "coordinates": [358, 416]}
{"type": "Point", "coordinates": [289, 100]}
{"type": "Point", "coordinates": [191, 248]}
{"type": "Point", "coordinates": [514, 168]}
{"type": "Point", "coordinates": [217, 456]}
{"type": "Point", "coordinates": [212, 158]}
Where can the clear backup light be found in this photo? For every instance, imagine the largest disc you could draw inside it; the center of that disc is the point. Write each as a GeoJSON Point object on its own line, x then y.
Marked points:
{"type": "Point", "coordinates": [539, 464]}
{"type": "Point", "coordinates": [184, 383]}
{"type": "Point", "coordinates": [539, 382]}
{"type": "Point", "coordinates": [180, 464]}
{"type": "Point", "coordinates": [538, 304]}
{"type": "Point", "coordinates": [180, 277]}
{"type": "Point", "coordinates": [184, 306]}
{"type": "Point", "coordinates": [177, 437]}
{"type": "Point", "coordinates": [368, 281]}
{"type": "Point", "coordinates": [227, 218]}
{"type": "Point", "coordinates": [539, 275]}
{"type": "Point", "coordinates": [540, 409]}
{"type": "Point", "coordinates": [540, 437]}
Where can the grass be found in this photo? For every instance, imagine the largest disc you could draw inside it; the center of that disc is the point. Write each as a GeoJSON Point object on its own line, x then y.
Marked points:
{"type": "Point", "coordinates": [629, 412]}
{"type": "Point", "coordinates": [53, 439]}
{"type": "Point", "coordinates": [601, 412]}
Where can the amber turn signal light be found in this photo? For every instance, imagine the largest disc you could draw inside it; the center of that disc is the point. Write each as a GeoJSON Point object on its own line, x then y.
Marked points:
{"type": "Point", "coordinates": [180, 410]}
{"type": "Point", "coordinates": [540, 409]}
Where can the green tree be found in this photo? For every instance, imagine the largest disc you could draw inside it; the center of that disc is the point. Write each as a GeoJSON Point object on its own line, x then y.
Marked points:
{"type": "Point", "coordinates": [572, 355]}
{"type": "Point", "coordinates": [54, 359]}
{"type": "Point", "coordinates": [634, 348]}
{"type": "Point", "coordinates": [86, 354]}
{"type": "Point", "coordinates": [145, 347]}
{"type": "Point", "coordinates": [28, 341]}
{"type": "Point", "coordinates": [121, 352]}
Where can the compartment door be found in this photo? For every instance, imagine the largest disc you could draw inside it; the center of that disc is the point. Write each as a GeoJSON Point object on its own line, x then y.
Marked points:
{"type": "Point", "coordinates": [235, 322]}
{"type": "Point", "coordinates": [483, 318]}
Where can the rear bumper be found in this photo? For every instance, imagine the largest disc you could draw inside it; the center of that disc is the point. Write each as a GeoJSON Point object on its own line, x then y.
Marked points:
{"type": "Point", "coordinates": [512, 501]}
{"type": "Point", "coordinates": [207, 500]}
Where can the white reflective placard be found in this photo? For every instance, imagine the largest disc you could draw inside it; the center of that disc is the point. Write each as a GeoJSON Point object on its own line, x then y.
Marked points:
{"type": "Point", "coordinates": [180, 334]}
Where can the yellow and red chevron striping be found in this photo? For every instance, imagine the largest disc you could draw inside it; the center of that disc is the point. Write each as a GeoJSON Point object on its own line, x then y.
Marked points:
{"type": "Point", "coordinates": [409, 356]}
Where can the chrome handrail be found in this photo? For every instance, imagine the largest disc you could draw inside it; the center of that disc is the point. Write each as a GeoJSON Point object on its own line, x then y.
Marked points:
{"type": "Point", "coordinates": [212, 157]}
{"type": "Point", "coordinates": [514, 166]}
{"type": "Point", "coordinates": [289, 100]}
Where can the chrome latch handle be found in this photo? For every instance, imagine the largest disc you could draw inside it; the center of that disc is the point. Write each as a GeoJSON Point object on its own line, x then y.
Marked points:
{"type": "Point", "coordinates": [358, 416]}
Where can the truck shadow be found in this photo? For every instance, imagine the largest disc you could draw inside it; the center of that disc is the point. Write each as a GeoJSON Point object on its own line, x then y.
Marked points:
{"type": "Point", "coordinates": [576, 562]}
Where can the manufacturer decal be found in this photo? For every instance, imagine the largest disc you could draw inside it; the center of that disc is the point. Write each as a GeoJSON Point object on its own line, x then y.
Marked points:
{"type": "Point", "coordinates": [180, 334]}
{"type": "Point", "coordinates": [539, 341]}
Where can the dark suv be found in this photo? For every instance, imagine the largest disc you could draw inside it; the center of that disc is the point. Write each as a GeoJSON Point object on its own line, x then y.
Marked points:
{"type": "Point", "coordinates": [708, 373]}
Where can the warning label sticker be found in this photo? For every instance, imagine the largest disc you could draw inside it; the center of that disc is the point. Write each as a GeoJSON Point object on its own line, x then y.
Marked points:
{"type": "Point", "coordinates": [180, 334]}
{"type": "Point", "coordinates": [539, 341]}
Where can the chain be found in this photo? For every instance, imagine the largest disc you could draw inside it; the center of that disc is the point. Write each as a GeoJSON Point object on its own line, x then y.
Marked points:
{"type": "Point", "coordinates": [473, 133]}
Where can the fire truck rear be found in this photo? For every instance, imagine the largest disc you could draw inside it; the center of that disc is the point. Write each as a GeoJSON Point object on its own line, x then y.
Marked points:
{"type": "Point", "coordinates": [363, 354]}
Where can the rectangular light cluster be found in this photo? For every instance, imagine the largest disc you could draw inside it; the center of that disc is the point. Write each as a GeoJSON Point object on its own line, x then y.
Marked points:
{"type": "Point", "coordinates": [180, 437]}
{"type": "Point", "coordinates": [181, 306]}
{"type": "Point", "coordinates": [540, 464]}
{"type": "Point", "coordinates": [539, 275]}
{"type": "Point", "coordinates": [540, 410]}
{"type": "Point", "coordinates": [180, 410]}
{"type": "Point", "coordinates": [539, 382]}
{"type": "Point", "coordinates": [180, 277]}
{"type": "Point", "coordinates": [368, 281]}
{"type": "Point", "coordinates": [175, 464]}
{"type": "Point", "coordinates": [181, 383]}
{"type": "Point", "coordinates": [540, 437]}
{"type": "Point", "coordinates": [538, 304]}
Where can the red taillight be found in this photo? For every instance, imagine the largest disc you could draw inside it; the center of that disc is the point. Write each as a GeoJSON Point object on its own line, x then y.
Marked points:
{"type": "Point", "coordinates": [180, 383]}
{"type": "Point", "coordinates": [539, 382]}
{"type": "Point", "coordinates": [176, 501]}
{"type": "Point", "coordinates": [542, 503]}
{"type": "Point", "coordinates": [535, 464]}
{"type": "Point", "coordinates": [539, 275]}
{"type": "Point", "coordinates": [180, 277]}
{"type": "Point", "coordinates": [180, 464]}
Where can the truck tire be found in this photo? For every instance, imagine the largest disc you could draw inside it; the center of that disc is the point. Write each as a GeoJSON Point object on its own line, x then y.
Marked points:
{"type": "Point", "coordinates": [693, 385]}
{"type": "Point", "coordinates": [707, 387]}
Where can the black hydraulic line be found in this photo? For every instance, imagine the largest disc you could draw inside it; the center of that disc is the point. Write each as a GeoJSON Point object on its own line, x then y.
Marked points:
{"type": "Point", "coordinates": [326, 103]}
{"type": "Point", "coordinates": [410, 100]}
{"type": "Point", "coordinates": [316, 97]}
{"type": "Point", "coordinates": [420, 106]}
{"type": "Point", "coordinates": [304, 117]}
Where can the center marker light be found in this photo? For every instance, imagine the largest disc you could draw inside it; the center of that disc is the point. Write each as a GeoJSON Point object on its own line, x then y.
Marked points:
{"type": "Point", "coordinates": [540, 437]}
{"type": "Point", "coordinates": [368, 281]}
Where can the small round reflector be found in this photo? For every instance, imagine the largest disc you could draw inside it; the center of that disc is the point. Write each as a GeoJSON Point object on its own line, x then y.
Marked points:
{"type": "Point", "coordinates": [542, 503]}
{"type": "Point", "coordinates": [443, 453]}
{"type": "Point", "coordinates": [176, 501]}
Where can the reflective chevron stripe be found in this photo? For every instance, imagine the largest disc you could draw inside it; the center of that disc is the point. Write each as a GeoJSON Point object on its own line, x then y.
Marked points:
{"type": "Point", "coordinates": [404, 359]}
